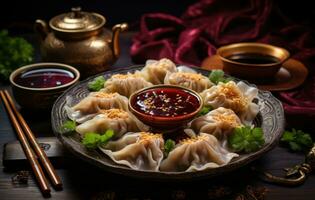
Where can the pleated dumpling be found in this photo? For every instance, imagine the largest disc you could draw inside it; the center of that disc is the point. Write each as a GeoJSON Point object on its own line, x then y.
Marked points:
{"type": "Point", "coordinates": [238, 97]}
{"type": "Point", "coordinates": [219, 122]}
{"type": "Point", "coordinates": [195, 154]}
{"type": "Point", "coordinates": [188, 79]}
{"type": "Point", "coordinates": [155, 71]}
{"type": "Point", "coordinates": [125, 84]}
{"type": "Point", "coordinates": [139, 151]}
{"type": "Point", "coordinates": [93, 103]}
{"type": "Point", "coordinates": [118, 120]}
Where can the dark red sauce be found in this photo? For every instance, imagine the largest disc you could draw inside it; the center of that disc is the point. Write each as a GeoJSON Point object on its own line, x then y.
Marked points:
{"type": "Point", "coordinates": [166, 102]}
{"type": "Point", "coordinates": [44, 78]}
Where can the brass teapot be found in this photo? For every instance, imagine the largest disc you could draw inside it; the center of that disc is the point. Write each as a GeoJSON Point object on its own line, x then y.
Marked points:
{"type": "Point", "coordinates": [79, 39]}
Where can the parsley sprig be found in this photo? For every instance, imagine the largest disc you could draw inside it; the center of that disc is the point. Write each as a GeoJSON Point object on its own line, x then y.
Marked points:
{"type": "Point", "coordinates": [168, 146]}
{"type": "Point", "coordinates": [68, 127]}
{"type": "Point", "coordinates": [217, 76]}
{"type": "Point", "coordinates": [94, 140]}
{"type": "Point", "coordinates": [204, 110]}
{"type": "Point", "coordinates": [97, 83]}
{"type": "Point", "coordinates": [297, 140]}
{"type": "Point", "coordinates": [246, 139]}
{"type": "Point", "coordinates": [14, 52]}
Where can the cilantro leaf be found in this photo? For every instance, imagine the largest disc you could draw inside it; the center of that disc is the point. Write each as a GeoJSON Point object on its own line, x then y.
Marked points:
{"type": "Point", "coordinates": [246, 139]}
{"type": "Point", "coordinates": [94, 140]}
{"type": "Point", "coordinates": [97, 83]}
{"type": "Point", "coordinates": [297, 140]}
{"type": "Point", "coordinates": [14, 52]}
{"type": "Point", "coordinates": [168, 146]}
{"type": "Point", "coordinates": [204, 110]}
{"type": "Point", "coordinates": [217, 76]}
{"type": "Point", "coordinates": [68, 127]}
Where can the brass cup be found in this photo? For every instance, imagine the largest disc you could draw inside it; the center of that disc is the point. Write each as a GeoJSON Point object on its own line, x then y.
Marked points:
{"type": "Point", "coordinates": [252, 71]}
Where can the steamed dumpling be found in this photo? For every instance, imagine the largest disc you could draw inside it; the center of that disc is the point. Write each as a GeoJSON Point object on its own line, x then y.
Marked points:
{"type": "Point", "coordinates": [219, 122]}
{"type": "Point", "coordinates": [118, 120]}
{"type": "Point", "coordinates": [237, 97]}
{"type": "Point", "coordinates": [139, 151]}
{"type": "Point", "coordinates": [93, 103]}
{"type": "Point", "coordinates": [195, 154]}
{"type": "Point", "coordinates": [155, 71]}
{"type": "Point", "coordinates": [194, 81]}
{"type": "Point", "coordinates": [125, 84]}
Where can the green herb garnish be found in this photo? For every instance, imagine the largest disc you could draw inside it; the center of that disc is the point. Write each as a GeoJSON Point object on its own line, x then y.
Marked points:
{"type": "Point", "coordinates": [297, 140]}
{"type": "Point", "coordinates": [14, 52]}
{"type": "Point", "coordinates": [168, 146]}
{"type": "Point", "coordinates": [96, 84]}
{"type": "Point", "coordinates": [217, 76]}
{"type": "Point", "coordinates": [246, 139]}
{"type": "Point", "coordinates": [68, 127]}
{"type": "Point", "coordinates": [204, 110]}
{"type": "Point", "coordinates": [94, 140]}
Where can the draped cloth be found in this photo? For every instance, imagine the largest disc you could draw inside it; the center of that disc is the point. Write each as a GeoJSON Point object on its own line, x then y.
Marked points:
{"type": "Point", "coordinates": [209, 24]}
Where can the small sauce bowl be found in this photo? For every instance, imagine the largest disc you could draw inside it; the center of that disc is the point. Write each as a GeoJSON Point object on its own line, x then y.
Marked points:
{"type": "Point", "coordinates": [252, 60]}
{"type": "Point", "coordinates": [37, 86]}
{"type": "Point", "coordinates": [165, 106]}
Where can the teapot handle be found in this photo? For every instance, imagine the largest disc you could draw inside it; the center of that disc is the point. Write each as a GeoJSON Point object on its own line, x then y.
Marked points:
{"type": "Point", "coordinates": [41, 28]}
{"type": "Point", "coordinates": [115, 39]}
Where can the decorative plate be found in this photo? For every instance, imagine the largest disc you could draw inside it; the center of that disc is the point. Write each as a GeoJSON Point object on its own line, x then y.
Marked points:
{"type": "Point", "coordinates": [270, 119]}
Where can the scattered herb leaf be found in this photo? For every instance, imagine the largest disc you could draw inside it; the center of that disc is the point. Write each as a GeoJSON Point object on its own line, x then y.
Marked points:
{"type": "Point", "coordinates": [204, 110]}
{"type": "Point", "coordinates": [217, 76]}
{"type": "Point", "coordinates": [97, 83]}
{"type": "Point", "coordinates": [68, 127]}
{"type": "Point", "coordinates": [246, 139]}
{"type": "Point", "coordinates": [94, 140]}
{"type": "Point", "coordinates": [168, 146]}
{"type": "Point", "coordinates": [297, 140]}
{"type": "Point", "coordinates": [14, 52]}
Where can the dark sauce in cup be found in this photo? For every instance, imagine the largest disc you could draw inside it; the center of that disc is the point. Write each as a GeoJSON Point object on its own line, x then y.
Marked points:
{"type": "Point", "coordinates": [166, 102]}
{"type": "Point", "coordinates": [253, 58]}
{"type": "Point", "coordinates": [44, 78]}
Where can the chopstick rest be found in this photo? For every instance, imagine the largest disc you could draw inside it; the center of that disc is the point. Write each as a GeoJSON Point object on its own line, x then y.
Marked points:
{"type": "Point", "coordinates": [39, 174]}
{"type": "Point", "coordinates": [55, 179]}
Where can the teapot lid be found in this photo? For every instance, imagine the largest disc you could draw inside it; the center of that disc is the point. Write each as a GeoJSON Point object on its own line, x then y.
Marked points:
{"type": "Point", "coordinates": [77, 21]}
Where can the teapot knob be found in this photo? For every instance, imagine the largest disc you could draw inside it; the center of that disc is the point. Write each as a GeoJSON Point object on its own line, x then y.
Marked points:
{"type": "Point", "coordinates": [76, 12]}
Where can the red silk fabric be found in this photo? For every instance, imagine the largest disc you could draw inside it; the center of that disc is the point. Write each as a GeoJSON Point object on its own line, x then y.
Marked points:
{"type": "Point", "coordinates": [209, 24]}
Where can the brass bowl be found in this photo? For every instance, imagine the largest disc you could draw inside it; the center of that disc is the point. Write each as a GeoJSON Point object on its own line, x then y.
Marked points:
{"type": "Point", "coordinates": [249, 70]}
{"type": "Point", "coordinates": [165, 122]}
{"type": "Point", "coordinates": [40, 98]}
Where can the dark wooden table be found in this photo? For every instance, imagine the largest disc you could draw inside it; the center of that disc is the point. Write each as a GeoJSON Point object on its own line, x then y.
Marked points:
{"type": "Point", "coordinates": [82, 181]}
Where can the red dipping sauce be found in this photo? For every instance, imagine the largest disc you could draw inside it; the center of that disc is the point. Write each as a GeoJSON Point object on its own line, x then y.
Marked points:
{"type": "Point", "coordinates": [166, 102]}
{"type": "Point", "coordinates": [44, 78]}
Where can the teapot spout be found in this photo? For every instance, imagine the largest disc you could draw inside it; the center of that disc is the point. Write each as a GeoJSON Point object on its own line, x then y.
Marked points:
{"type": "Point", "coordinates": [41, 28]}
{"type": "Point", "coordinates": [115, 38]}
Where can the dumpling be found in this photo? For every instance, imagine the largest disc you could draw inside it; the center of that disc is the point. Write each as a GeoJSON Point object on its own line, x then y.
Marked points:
{"type": "Point", "coordinates": [119, 120]}
{"type": "Point", "coordinates": [139, 151]}
{"type": "Point", "coordinates": [93, 103]}
{"type": "Point", "coordinates": [237, 97]}
{"type": "Point", "coordinates": [155, 71]}
{"type": "Point", "coordinates": [219, 122]}
{"type": "Point", "coordinates": [194, 81]}
{"type": "Point", "coordinates": [125, 84]}
{"type": "Point", "coordinates": [195, 154]}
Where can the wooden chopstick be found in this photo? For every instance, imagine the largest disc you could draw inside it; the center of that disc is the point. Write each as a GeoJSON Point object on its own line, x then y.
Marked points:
{"type": "Point", "coordinates": [55, 179]}
{"type": "Point", "coordinates": [31, 157]}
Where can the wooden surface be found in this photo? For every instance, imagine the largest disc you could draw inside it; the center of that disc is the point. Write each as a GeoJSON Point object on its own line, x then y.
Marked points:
{"type": "Point", "coordinates": [83, 181]}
